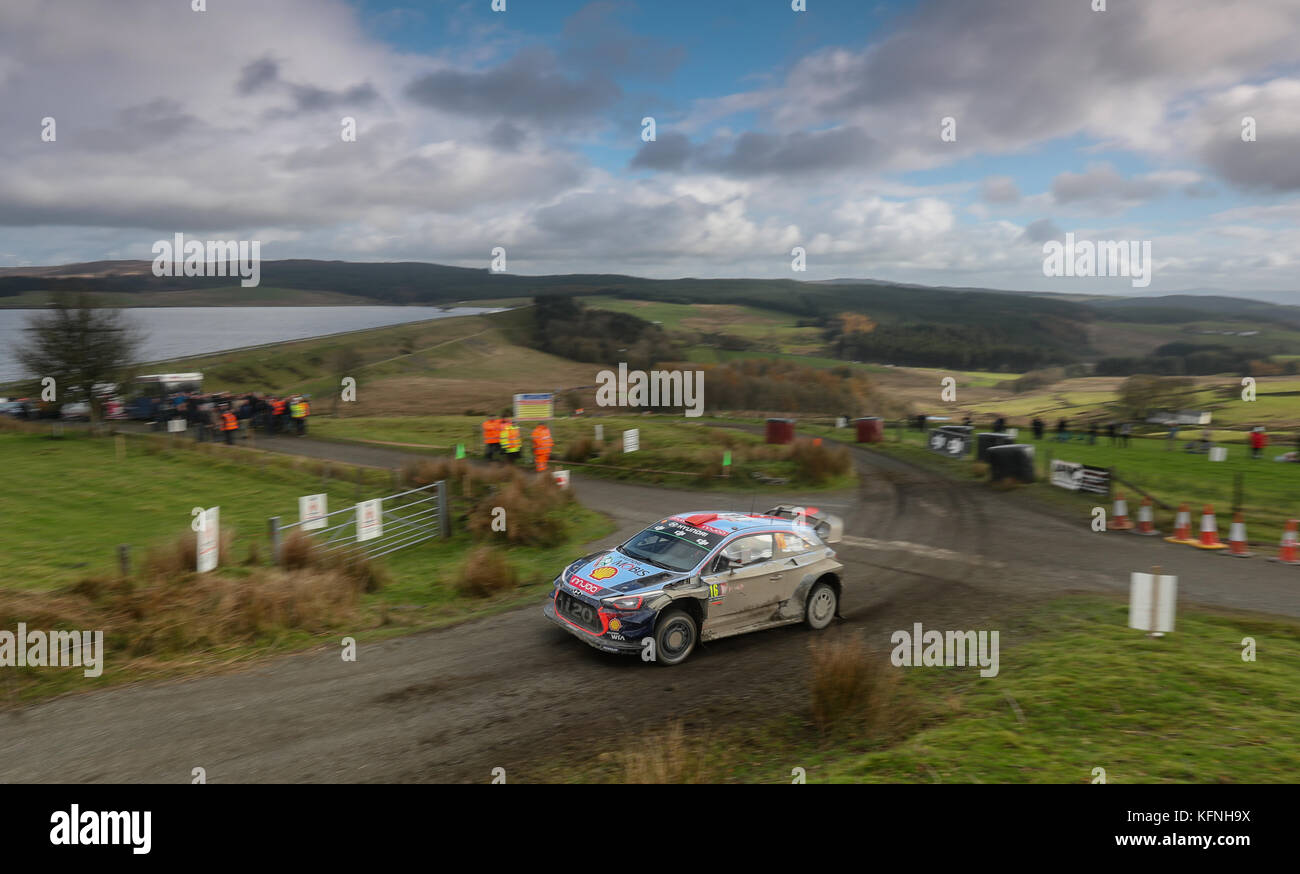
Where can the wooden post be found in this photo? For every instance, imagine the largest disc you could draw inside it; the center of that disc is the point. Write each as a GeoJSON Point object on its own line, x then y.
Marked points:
{"type": "Point", "coordinates": [124, 559]}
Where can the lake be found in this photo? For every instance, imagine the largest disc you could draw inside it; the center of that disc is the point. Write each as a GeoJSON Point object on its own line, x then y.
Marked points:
{"type": "Point", "coordinates": [172, 332]}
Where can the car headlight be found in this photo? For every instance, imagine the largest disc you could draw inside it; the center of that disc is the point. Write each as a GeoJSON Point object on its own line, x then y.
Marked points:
{"type": "Point", "coordinates": [625, 603]}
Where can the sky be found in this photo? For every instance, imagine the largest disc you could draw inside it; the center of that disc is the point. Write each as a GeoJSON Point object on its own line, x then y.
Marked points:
{"type": "Point", "coordinates": [941, 142]}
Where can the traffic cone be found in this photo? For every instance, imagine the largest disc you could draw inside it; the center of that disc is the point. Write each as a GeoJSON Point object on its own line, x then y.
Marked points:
{"type": "Point", "coordinates": [1119, 515]}
{"type": "Point", "coordinates": [1209, 531]}
{"type": "Point", "coordinates": [1146, 525]}
{"type": "Point", "coordinates": [1286, 554]}
{"type": "Point", "coordinates": [1237, 546]}
{"type": "Point", "coordinates": [1182, 526]}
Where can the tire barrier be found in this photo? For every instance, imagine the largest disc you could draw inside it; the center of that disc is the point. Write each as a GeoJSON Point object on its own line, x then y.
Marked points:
{"type": "Point", "coordinates": [987, 440]}
{"type": "Point", "coordinates": [780, 430]}
{"type": "Point", "coordinates": [870, 429]}
{"type": "Point", "coordinates": [1013, 461]}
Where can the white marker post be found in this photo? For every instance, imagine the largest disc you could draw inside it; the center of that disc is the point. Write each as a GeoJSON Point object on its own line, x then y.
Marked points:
{"type": "Point", "coordinates": [632, 440]}
{"type": "Point", "coordinates": [1153, 600]}
{"type": "Point", "coordinates": [312, 512]}
{"type": "Point", "coordinates": [561, 478]}
{"type": "Point", "coordinates": [208, 540]}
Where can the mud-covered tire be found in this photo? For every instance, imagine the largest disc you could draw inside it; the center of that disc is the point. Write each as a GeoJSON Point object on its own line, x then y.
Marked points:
{"type": "Point", "coordinates": [820, 608]}
{"type": "Point", "coordinates": [676, 634]}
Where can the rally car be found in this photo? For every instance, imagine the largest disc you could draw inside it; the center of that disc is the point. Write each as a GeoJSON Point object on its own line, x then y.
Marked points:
{"type": "Point", "coordinates": [697, 577]}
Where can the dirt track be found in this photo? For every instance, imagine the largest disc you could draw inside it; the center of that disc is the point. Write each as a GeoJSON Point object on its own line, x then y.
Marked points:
{"type": "Point", "coordinates": [451, 705]}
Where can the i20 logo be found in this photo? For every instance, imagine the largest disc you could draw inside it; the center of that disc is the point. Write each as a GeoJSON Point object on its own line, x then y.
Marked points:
{"type": "Point", "coordinates": [589, 588]}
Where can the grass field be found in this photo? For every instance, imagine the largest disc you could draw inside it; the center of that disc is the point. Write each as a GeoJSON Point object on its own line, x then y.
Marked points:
{"type": "Point", "coordinates": [70, 502]}
{"type": "Point", "coordinates": [1076, 690]}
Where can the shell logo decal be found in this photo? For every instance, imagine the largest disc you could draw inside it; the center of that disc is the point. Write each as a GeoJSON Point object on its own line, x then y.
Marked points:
{"type": "Point", "coordinates": [603, 573]}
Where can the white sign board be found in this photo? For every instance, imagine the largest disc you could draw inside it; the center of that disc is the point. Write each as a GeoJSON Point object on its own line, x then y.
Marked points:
{"type": "Point", "coordinates": [1218, 453]}
{"type": "Point", "coordinates": [561, 478]}
{"type": "Point", "coordinates": [600, 433]}
{"type": "Point", "coordinates": [176, 425]}
{"type": "Point", "coordinates": [1066, 474]}
{"type": "Point", "coordinates": [1151, 602]}
{"type": "Point", "coordinates": [311, 512]}
{"type": "Point", "coordinates": [1012, 432]}
{"type": "Point", "coordinates": [370, 522]}
{"type": "Point", "coordinates": [632, 440]}
{"type": "Point", "coordinates": [209, 538]}
{"type": "Point", "coordinates": [841, 422]}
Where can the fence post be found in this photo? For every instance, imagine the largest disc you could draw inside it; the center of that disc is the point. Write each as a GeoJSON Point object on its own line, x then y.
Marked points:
{"type": "Point", "coordinates": [274, 525]}
{"type": "Point", "coordinates": [358, 485]}
{"type": "Point", "coordinates": [444, 511]}
{"type": "Point", "coordinates": [124, 558]}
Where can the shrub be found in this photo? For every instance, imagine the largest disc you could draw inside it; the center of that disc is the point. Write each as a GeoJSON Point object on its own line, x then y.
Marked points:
{"type": "Point", "coordinates": [816, 463]}
{"type": "Point", "coordinates": [664, 757]}
{"type": "Point", "coordinates": [849, 681]}
{"type": "Point", "coordinates": [486, 572]}
{"type": "Point", "coordinates": [534, 511]}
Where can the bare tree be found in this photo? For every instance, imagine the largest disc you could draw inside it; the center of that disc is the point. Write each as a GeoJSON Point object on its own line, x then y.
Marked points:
{"type": "Point", "coordinates": [80, 347]}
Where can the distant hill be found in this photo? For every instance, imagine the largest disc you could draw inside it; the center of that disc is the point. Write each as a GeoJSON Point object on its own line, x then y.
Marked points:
{"type": "Point", "coordinates": [921, 325]}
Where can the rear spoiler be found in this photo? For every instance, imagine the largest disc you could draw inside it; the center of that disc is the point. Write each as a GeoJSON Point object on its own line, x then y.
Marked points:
{"type": "Point", "coordinates": [827, 526]}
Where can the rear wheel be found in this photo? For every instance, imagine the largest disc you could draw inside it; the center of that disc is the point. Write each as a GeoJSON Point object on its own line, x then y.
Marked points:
{"type": "Point", "coordinates": [675, 637]}
{"type": "Point", "coordinates": [822, 604]}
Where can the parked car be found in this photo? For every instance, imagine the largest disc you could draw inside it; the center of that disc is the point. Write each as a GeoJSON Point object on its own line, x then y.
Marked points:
{"type": "Point", "coordinates": [697, 577]}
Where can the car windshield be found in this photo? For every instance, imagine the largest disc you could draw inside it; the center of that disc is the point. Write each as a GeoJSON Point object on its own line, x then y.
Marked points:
{"type": "Point", "coordinates": [673, 545]}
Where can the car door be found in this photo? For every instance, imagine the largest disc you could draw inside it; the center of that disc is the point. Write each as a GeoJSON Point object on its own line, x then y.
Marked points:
{"type": "Point", "coordinates": [738, 584]}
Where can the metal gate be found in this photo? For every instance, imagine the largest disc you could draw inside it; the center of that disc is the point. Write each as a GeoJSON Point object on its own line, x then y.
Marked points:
{"type": "Point", "coordinates": [409, 517]}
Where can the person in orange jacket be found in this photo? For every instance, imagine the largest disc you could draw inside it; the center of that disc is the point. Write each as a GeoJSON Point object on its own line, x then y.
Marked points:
{"type": "Point", "coordinates": [491, 438]}
{"type": "Point", "coordinates": [229, 425]}
{"type": "Point", "coordinates": [542, 444]}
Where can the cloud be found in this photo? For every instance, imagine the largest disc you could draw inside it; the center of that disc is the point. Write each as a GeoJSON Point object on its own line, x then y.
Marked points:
{"type": "Point", "coordinates": [1000, 189]}
{"type": "Point", "coordinates": [1041, 231]}
{"type": "Point", "coordinates": [530, 86]}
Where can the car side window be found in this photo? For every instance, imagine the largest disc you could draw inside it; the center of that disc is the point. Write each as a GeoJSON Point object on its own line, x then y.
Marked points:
{"type": "Point", "coordinates": [745, 551]}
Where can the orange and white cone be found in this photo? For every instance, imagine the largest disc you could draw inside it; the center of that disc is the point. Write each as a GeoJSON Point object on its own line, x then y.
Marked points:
{"type": "Point", "coordinates": [1119, 515]}
{"type": "Point", "coordinates": [1146, 524]}
{"type": "Point", "coordinates": [1209, 531]}
{"type": "Point", "coordinates": [1287, 553]}
{"type": "Point", "coordinates": [1237, 545]}
{"type": "Point", "coordinates": [1182, 526]}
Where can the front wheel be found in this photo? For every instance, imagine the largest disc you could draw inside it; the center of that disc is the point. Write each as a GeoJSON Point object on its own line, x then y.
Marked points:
{"type": "Point", "coordinates": [675, 637]}
{"type": "Point", "coordinates": [822, 604]}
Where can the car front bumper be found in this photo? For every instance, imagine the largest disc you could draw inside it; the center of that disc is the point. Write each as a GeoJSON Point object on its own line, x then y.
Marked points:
{"type": "Point", "coordinates": [600, 642]}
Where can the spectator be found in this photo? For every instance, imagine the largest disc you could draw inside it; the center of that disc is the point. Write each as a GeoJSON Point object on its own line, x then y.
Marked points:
{"type": "Point", "coordinates": [1125, 431]}
{"type": "Point", "coordinates": [1258, 440]}
{"type": "Point", "coordinates": [1110, 432]}
{"type": "Point", "coordinates": [1062, 432]}
{"type": "Point", "coordinates": [1038, 426]}
{"type": "Point", "coordinates": [1092, 433]}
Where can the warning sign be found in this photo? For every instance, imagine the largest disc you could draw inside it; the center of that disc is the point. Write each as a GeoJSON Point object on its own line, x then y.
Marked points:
{"type": "Point", "coordinates": [370, 521]}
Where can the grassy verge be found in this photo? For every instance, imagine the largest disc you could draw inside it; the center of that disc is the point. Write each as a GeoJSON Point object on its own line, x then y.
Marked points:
{"type": "Point", "coordinates": [673, 450]}
{"type": "Point", "coordinates": [1076, 690]}
{"type": "Point", "coordinates": [68, 504]}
